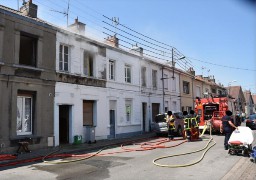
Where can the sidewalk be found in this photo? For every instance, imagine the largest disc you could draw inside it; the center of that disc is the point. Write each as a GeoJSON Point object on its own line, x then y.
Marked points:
{"type": "Point", "coordinates": [75, 149]}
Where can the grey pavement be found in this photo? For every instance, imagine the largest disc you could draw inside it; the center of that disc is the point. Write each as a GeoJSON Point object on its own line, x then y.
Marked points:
{"type": "Point", "coordinates": [243, 169]}
{"type": "Point", "coordinates": [75, 148]}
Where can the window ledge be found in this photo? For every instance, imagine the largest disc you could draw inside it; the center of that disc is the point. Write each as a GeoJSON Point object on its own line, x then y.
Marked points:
{"type": "Point", "coordinates": [22, 137]}
{"type": "Point", "coordinates": [27, 67]}
{"type": "Point", "coordinates": [125, 125]}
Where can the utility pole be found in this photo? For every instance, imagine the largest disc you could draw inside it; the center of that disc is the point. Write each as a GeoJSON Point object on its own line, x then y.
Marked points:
{"type": "Point", "coordinates": [163, 88]}
{"type": "Point", "coordinates": [172, 65]}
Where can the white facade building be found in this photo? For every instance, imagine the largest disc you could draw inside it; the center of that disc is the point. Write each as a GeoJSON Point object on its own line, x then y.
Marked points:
{"type": "Point", "coordinates": [106, 92]}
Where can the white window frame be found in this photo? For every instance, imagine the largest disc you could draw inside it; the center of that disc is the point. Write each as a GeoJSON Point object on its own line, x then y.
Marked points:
{"type": "Point", "coordinates": [62, 56]}
{"type": "Point", "coordinates": [173, 84]}
{"type": "Point", "coordinates": [112, 70]}
{"type": "Point", "coordinates": [154, 79]}
{"type": "Point", "coordinates": [165, 81]}
{"type": "Point", "coordinates": [128, 110]}
{"type": "Point", "coordinates": [143, 77]}
{"type": "Point", "coordinates": [22, 118]}
{"type": "Point", "coordinates": [186, 87]}
{"type": "Point", "coordinates": [128, 73]}
{"type": "Point", "coordinates": [88, 67]}
{"type": "Point", "coordinates": [198, 91]}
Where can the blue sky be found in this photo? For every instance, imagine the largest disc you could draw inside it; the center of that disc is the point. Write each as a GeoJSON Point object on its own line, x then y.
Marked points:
{"type": "Point", "coordinates": [216, 36]}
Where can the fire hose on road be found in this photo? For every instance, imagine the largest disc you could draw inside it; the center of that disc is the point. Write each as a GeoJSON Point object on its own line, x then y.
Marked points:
{"type": "Point", "coordinates": [208, 145]}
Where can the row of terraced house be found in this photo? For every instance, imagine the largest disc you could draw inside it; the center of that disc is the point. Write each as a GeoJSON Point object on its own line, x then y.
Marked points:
{"type": "Point", "coordinates": [57, 83]}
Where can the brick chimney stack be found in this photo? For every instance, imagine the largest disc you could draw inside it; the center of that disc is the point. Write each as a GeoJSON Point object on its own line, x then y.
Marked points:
{"type": "Point", "coordinates": [77, 27]}
{"type": "Point", "coordinates": [29, 9]}
{"type": "Point", "coordinates": [113, 41]}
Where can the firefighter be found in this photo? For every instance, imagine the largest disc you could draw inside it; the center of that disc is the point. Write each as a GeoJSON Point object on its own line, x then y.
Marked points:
{"type": "Point", "coordinates": [194, 125]}
{"type": "Point", "coordinates": [227, 127]}
{"type": "Point", "coordinates": [187, 125]}
{"type": "Point", "coordinates": [171, 125]}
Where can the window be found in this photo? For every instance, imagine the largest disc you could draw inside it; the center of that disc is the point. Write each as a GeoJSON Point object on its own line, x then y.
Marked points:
{"type": "Point", "coordinates": [88, 64]}
{"type": "Point", "coordinates": [28, 49]}
{"type": "Point", "coordinates": [111, 70]}
{"type": "Point", "coordinates": [165, 81]}
{"type": "Point", "coordinates": [143, 77]}
{"type": "Point", "coordinates": [24, 114]}
{"type": "Point", "coordinates": [128, 110]}
{"type": "Point", "coordinates": [213, 90]}
{"type": "Point", "coordinates": [173, 84]}
{"type": "Point", "coordinates": [185, 87]}
{"type": "Point", "coordinates": [88, 113]}
{"type": "Point", "coordinates": [198, 91]}
{"type": "Point", "coordinates": [63, 58]}
{"type": "Point", "coordinates": [127, 71]}
{"type": "Point", "coordinates": [154, 77]}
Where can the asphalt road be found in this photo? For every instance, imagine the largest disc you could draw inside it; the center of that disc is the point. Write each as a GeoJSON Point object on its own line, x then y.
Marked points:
{"type": "Point", "coordinates": [216, 164]}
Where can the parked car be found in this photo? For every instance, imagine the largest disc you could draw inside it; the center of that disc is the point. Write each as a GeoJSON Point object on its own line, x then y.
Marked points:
{"type": "Point", "coordinates": [159, 124]}
{"type": "Point", "coordinates": [251, 122]}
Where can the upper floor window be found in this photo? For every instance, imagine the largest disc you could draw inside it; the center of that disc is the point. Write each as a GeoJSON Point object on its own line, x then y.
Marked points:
{"type": "Point", "coordinates": [185, 87]}
{"type": "Point", "coordinates": [165, 81]}
{"type": "Point", "coordinates": [88, 64]}
{"type": "Point", "coordinates": [213, 90]}
{"type": "Point", "coordinates": [63, 58]}
{"type": "Point", "coordinates": [173, 84]}
{"type": "Point", "coordinates": [127, 71]}
{"type": "Point", "coordinates": [28, 49]}
{"type": "Point", "coordinates": [143, 77]}
{"type": "Point", "coordinates": [198, 91]}
{"type": "Point", "coordinates": [154, 78]}
{"type": "Point", "coordinates": [111, 70]}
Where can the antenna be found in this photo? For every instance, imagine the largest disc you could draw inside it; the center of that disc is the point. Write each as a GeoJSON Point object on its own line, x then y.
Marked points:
{"type": "Point", "coordinates": [66, 13]}
{"type": "Point", "coordinates": [203, 70]}
{"type": "Point", "coordinates": [208, 72]}
{"type": "Point", "coordinates": [115, 20]}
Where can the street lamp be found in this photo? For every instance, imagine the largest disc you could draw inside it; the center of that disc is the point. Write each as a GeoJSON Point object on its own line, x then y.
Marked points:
{"type": "Point", "coordinates": [173, 63]}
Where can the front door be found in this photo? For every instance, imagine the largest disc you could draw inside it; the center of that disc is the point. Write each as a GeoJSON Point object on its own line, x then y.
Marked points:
{"type": "Point", "coordinates": [112, 123]}
{"type": "Point", "coordinates": [64, 123]}
{"type": "Point", "coordinates": [144, 116]}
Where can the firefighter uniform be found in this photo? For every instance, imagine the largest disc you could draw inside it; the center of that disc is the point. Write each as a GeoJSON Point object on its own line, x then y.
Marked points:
{"type": "Point", "coordinates": [187, 126]}
{"type": "Point", "coordinates": [171, 125]}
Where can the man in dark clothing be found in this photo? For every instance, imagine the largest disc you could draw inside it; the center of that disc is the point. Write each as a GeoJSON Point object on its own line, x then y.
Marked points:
{"type": "Point", "coordinates": [227, 127]}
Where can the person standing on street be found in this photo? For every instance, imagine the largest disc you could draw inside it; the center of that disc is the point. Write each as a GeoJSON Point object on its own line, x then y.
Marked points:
{"type": "Point", "coordinates": [170, 124]}
{"type": "Point", "coordinates": [187, 125]}
{"type": "Point", "coordinates": [226, 127]}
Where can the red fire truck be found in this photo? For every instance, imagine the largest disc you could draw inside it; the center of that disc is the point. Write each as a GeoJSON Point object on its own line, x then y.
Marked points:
{"type": "Point", "coordinates": [212, 109]}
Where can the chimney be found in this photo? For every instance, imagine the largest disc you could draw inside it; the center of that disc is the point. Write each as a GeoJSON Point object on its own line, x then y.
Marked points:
{"type": "Point", "coordinates": [113, 41]}
{"type": "Point", "coordinates": [29, 9]}
{"type": "Point", "coordinates": [191, 71]}
{"type": "Point", "coordinates": [77, 27]}
{"type": "Point", "coordinates": [137, 50]}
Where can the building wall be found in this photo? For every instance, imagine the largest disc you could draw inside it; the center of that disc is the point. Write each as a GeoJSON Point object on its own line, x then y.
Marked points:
{"type": "Point", "coordinates": [187, 101]}
{"type": "Point", "coordinates": [14, 77]}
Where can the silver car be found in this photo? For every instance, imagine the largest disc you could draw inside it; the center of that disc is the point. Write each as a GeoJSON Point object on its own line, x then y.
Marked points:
{"type": "Point", "coordinates": [159, 124]}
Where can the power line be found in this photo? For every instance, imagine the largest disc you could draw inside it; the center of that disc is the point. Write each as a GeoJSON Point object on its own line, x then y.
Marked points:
{"type": "Point", "coordinates": [231, 67]}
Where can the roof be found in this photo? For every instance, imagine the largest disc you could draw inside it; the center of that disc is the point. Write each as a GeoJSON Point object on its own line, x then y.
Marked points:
{"type": "Point", "coordinates": [234, 91]}
{"type": "Point", "coordinates": [17, 14]}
